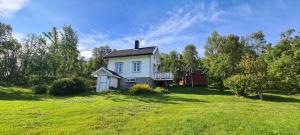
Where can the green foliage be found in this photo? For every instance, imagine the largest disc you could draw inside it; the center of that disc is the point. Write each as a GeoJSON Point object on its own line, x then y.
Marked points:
{"type": "Point", "coordinates": [190, 56]}
{"type": "Point", "coordinates": [191, 60]}
{"type": "Point", "coordinates": [161, 90]}
{"type": "Point", "coordinates": [90, 84]}
{"type": "Point", "coordinates": [284, 63]}
{"type": "Point", "coordinates": [222, 54]}
{"type": "Point", "coordinates": [67, 86]}
{"type": "Point", "coordinates": [219, 68]}
{"type": "Point", "coordinates": [9, 48]}
{"type": "Point", "coordinates": [40, 89]}
{"type": "Point", "coordinates": [252, 77]}
{"type": "Point", "coordinates": [237, 84]}
{"type": "Point", "coordinates": [97, 55]}
{"type": "Point", "coordinates": [140, 89]}
{"type": "Point", "coordinates": [174, 63]}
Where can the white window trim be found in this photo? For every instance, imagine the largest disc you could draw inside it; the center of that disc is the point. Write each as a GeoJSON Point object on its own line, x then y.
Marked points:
{"type": "Point", "coordinates": [140, 66]}
{"type": "Point", "coordinates": [121, 67]}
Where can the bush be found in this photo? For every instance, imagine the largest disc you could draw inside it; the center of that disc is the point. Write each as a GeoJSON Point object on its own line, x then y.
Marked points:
{"type": "Point", "coordinates": [39, 89]}
{"type": "Point", "coordinates": [67, 86]}
{"type": "Point", "coordinates": [236, 84]}
{"type": "Point", "coordinates": [90, 84]}
{"type": "Point", "coordinates": [140, 89]}
{"type": "Point", "coordinates": [161, 90]}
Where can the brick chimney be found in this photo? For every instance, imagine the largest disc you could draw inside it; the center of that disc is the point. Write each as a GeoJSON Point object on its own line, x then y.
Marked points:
{"type": "Point", "coordinates": [137, 44]}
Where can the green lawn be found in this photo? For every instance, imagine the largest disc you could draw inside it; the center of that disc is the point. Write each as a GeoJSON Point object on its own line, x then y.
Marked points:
{"type": "Point", "coordinates": [184, 111]}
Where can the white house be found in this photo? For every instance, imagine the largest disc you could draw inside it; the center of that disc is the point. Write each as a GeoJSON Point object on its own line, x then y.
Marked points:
{"type": "Point", "coordinates": [131, 66]}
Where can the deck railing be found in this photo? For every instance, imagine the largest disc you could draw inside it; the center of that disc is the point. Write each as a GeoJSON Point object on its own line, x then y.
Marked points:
{"type": "Point", "coordinates": [163, 76]}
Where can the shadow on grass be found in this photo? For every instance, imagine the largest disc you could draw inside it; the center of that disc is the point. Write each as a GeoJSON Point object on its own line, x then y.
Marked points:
{"type": "Point", "coordinates": [276, 98]}
{"type": "Point", "coordinates": [149, 98]}
{"type": "Point", "coordinates": [13, 94]}
{"type": "Point", "coordinates": [199, 91]}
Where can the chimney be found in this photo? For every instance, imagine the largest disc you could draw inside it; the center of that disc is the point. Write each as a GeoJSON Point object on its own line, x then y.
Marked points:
{"type": "Point", "coordinates": [137, 44]}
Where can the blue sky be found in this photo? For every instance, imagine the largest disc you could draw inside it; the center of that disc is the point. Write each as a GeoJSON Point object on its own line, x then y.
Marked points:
{"type": "Point", "coordinates": [169, 24]}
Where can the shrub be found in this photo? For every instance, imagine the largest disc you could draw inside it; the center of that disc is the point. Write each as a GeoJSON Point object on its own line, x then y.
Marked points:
{"type": "Point", "coordinates": [140, 89]}
{"type": "Point", "coordinates": [39, 89]}
{"type": "Point", "coordinates": [237, 84]}
{"type": "Point", "coordinates": [67, 86]}
{"type": "Point", "coordinates": [161, 90]}
{"type": "Point", "coordinates": [90, 84]}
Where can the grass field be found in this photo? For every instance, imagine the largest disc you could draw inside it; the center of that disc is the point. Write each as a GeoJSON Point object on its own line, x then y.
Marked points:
{"type": "Point", "coordinates": [183, 111]}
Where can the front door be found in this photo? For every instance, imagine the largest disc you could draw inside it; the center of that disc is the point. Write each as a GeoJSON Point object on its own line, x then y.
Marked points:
{"type": "Point", "coordinates": [103, 83]}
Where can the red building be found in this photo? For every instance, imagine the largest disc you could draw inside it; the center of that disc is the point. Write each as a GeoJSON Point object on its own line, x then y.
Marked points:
{"type": "Point", "coordinates": [196, 78]}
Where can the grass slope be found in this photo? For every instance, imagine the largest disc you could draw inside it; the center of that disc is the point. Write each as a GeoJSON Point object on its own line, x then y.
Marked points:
{"type": "Point", "coordinates": [184, 111]}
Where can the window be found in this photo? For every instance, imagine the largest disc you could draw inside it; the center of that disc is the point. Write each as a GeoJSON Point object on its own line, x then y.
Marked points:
{"type": "Point", "coordinates": [118, 67]}
{"type": "Point", "coordinates": [136, 66]}
{"type": "Point", "coordinates": [131, 80]}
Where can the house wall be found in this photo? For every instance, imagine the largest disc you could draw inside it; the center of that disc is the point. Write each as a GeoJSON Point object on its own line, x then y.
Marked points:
{"type": "Point", "coordinates": [155, 61]}
{"type": "Point", "coordinates": [113, 82]}
{"type": "Point", "coordinates": [127, 71]}
{"type": "Point", "coordinates": [127, 85]}
{"type": "Point", "coordinates": [101, 73]}
{"type": "Point", "coordinates": [149, 66]}
{"type": "Point", "coordinates": [198, 79]}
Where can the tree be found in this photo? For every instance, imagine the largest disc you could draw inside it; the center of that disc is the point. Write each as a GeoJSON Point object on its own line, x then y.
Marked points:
{"type": "Point", "coordinates": [69, 52]}
{"type": "Point", "coordinates": [258, 43]}
{"type": "Point", "coordinates": [284, 59]}
{"type": "Point", "coordinates": [214, 42]}
{"type": "Point", "coordinates": [29, 47]}
{"type": "Point", "coordinates": [190, 57]}
{"type": "Point", "coordinates": [176, 66]}
{"type": "Point", "coordinates": [54, 53]}
{"type": "Point", "coordinates": [165, 63]}
{"type": "Point", "coordinates": [252, 77]}
{"type": "Point", "coordinates": [38, 69]}
{"type": "Point", "coordinates": [9, 48]}
{"type": "Point", "coordinates": [219, 68]}
{"type": "Point", "coordinates": [63, 53]}
{"type": "Point", "coordinates": [222, 54]}
{"type": "Point", "coordinates": [255, 71]}
{"type": "Point", "coordinates": [97, 56]}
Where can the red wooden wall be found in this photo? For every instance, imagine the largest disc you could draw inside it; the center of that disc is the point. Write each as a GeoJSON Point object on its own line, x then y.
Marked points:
{"type": "Point", "coordinates": [199, 79]}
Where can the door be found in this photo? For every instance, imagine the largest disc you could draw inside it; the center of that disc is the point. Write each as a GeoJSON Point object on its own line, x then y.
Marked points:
{"type": "Point", "coordinates": [103, 83]}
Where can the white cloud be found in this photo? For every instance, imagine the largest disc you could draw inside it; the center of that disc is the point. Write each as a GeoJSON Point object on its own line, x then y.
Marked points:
{"type": "Point", "coordinates": [86, 54]}
{"type": "Point", "coordinates": [89, 41]}
{"type": "Point", "coordinates": [9, 7]}
{"type": "Point", "coordinates": [19, 36]}
{"type": "Point", "coordinates": [166, 34]}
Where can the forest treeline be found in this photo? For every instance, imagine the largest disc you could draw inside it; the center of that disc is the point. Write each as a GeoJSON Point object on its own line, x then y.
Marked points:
{"type": "Point", "coordinates": [41, 59]}
{"type": "Point", "coordinates": [245, 65]}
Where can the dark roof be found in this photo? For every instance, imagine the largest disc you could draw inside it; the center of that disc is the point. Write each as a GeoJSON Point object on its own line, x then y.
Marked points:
{"type": "Point", "coordinates": [114, 73]}
{"type": "Point", "coordinates": [131, 52]}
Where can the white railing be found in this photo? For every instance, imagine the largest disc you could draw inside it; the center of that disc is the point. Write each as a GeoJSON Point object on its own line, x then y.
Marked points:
{"type": "Point", "coordinates": [163, 76]}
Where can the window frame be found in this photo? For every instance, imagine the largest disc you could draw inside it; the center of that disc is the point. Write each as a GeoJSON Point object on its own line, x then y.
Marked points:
{"type": "Point", "coordinates": [136, 65]}
{"type": "Point", "coordinates": [118, 67]}
{"type": "Point", "coordinates": [131, 80]}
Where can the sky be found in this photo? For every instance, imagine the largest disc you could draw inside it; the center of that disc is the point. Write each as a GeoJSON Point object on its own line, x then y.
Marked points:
{"type": "Point", "coordinates": [168, 24]}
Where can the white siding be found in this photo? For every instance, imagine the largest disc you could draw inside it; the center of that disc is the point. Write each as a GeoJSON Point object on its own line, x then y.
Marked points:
{"type": "Point", "coordinates": [113, 82]}
{"type": "Point", "coordinates": [127, 65]}
{"type": "Point", "coordinates": [147, 65]}
{"type": "Point", "coordinates": [155, 61]}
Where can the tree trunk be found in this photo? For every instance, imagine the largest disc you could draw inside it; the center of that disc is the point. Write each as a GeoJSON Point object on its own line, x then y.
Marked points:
{"type": "Point", "coordinates": [260, 94]}
{"type": "Point", "coordinates": [192, 79]}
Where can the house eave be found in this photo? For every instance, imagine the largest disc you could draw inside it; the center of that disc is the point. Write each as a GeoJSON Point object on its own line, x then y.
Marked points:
{"type": "Point", "coordinates": [104, 69]}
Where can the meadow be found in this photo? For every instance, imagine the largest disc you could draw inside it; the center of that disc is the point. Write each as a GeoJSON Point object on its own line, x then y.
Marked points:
{"type": "Point", "coordinates": [182, 111]}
